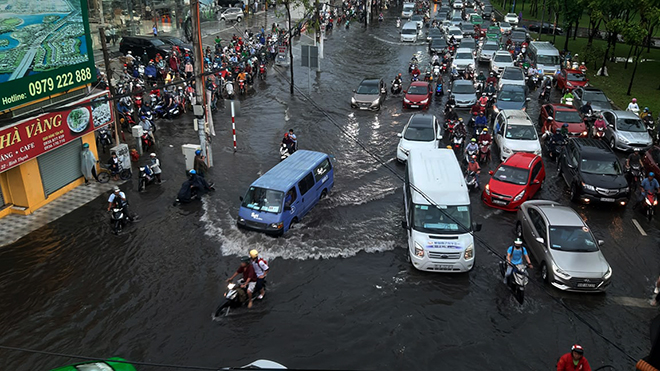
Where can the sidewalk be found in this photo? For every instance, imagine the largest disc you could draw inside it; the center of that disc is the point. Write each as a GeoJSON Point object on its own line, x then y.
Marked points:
{"type": "Point", "coordinates": [14, 226]}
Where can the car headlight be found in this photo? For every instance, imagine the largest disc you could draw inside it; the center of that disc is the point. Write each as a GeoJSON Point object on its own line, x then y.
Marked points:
{"type": "Point", "coordinates": [560, 272]}
{"type": "Point", "coordinates": [353, 100]}
{"type": "Point", "coordinates": [405, 151]}
{"type": "Point", "coordinates": [585, 133]}
{"type": "Point", "coordinates": [487, 189]}
{"type": "Point", "coordinates": [495, 109]}
{"type": "Point", "coordinates": [406, 100]}
{"type": "Point", "coordinates": [506, 150]}
{"type": "Point", "coordinates": [608, 274]}
{"type": "Point", "coordinates": [419, 250]}
{"type": "Point", "coordinates": [538, 152]}
{"type": "Point", "coordinates": [241, 219]}
{"type": "Point", "coordinates": [625, 189]}
{"type": "Point", "coordinates": [276, 225]}
{"type": "Point", "coordinates": [469, 252]}
{"type": "Point", "coordinates": [588, 187]}
{"type": "Point", "coordinates": [375, 103]}
{"type": "Point", "coordinates": [623, 139]}
{"type": "Point", "coordinates": [424, 101]}
{"type": "Point", "coordinates": [519, 196]}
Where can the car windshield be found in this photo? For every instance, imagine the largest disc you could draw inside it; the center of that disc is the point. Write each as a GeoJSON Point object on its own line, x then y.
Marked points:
{"type": "Point", "coordinates": [467, 28]}
{"type": "Point", "coordinates": [455, 32]}
{"type": "Point", "coordinates": [441, 219]}
{"type": "Point", "coordinates": [263, 199]}
{"type": "Point", "coordinates": [368, 89]}
{"type": "Point", "coordinates": [594, 96]}
{"type": "Point", "coordinates": [521, 132]}
{"type": "Point", "coordinates": [416, 18]}
{"type": "Point", "coordinates": [511, 74]}
{"type": "Point", "coordinates": [513, 175]}
{"type": "Point", "coordinates": [601, 167]}
{"type": "Point", "coordinates": [547, 60]}
{"type": "Point", "coordinates": [511, 96]}
{"type": "Point", "coordinates": [439, 43]}
{"type": "Point", "coordinates": [463, 89]}
{"type": "Point", "coordinates": [489, 47]}
{"type": "Point", "coordinates": [157, 42]}
{"type": "Point", "coordinates": [567, 116]}
{"type": "Point", "coordinates": [409, 31]}
{"type": "Point", "coordinates": [576, 77]}
{"type": "Point", "coordinates": [577, 239]}
{"type": "Point", "coordinates": [419, 133]}
{"type": "Point", "coordinates": [434, 31]}
{"type": "Point", "coordinates": [408, 7]}
{"type": "Point", "coordinates": [463, 56]}
{"type": "Point", "coordinates": [517, 35]}
{"type": "Point", "coordinates": [418, 90]}
{"type": "Point", "coordinates": [505, 25]}
{"type": "Point", "coordinates": [503, 58]}
{"type": "Point", "coordinates": [633, 125]}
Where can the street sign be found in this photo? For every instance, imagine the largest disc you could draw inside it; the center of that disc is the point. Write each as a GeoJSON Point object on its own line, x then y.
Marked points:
{"type": "Point", "coordinates": [309, 56]}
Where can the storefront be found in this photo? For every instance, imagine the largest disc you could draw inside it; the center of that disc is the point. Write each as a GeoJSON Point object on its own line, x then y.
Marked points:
{"type": "Point", "coordinates": [40, 156]}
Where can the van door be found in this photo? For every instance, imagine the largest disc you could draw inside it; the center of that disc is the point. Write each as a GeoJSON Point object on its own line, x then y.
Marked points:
{"type": "Point", "coordinates": [308, 199]}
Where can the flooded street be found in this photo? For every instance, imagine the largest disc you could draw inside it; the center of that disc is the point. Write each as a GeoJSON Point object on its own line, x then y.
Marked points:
{"type": "Point", "coordinates": [342, 294]}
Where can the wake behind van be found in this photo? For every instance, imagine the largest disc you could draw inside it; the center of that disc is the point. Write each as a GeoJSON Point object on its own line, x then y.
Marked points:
{"type": "Point", "coordinates": [409, 32]}
{"type": "Point", "coordinates": [288, 191]}
{"type": "Point", "coordinates": [544, 56]}
{"type": "Point", "coordinates": [438, 217]}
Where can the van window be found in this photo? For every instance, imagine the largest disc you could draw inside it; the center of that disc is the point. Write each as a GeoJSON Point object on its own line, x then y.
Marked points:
{"type": "Point", "coordinates": [306, 184]}
{"type": "Point", "coordinates": [548, 60]}
{"type": "Point", "coordinates": [290, 197]}
{"type": "Point", "coordinates": [322, 169]}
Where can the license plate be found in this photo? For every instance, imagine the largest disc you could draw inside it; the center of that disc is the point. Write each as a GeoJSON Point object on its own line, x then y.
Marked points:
{"type": "Point", "coordinates": [364, 108]}
{"type": "Point", "coordinates": [414, 106]}
{"type": "Point", "coordinates": [444, 267]}
{"type": "Point", "coordinates": [586, 285]}
{"type": "Point", "coordinates": [637, 149]}
{"type": "Point", "coordinates": [499, 202]}
{"type": "Point", "coordinates": [607, 199]}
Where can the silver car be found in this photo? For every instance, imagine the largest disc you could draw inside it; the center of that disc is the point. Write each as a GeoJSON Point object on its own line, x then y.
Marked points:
{"type": "Point", "coordinates": [464, 93]}
{"type": "Point", "coordinates": [511, 76]}
{"type": "Point", "coordinates": [626, 131]}
{"type": "Point", "coordinates": [563, 246]}
{"type": "Point", "coordinates": [370, 95]}
{"type": "Point", "coordinates": [487, 50]}
{"type": "Point", "coordinates": [500, 60]}
{"type": "Point", "coordinates": [232, 14]}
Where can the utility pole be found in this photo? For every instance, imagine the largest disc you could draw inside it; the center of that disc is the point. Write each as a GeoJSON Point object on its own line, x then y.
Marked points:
{"type": "Point", "coordinates": [108, 74]}
{"type": "Point", "coordinates": [542, 16]}
{"type": "Point", "coordinates": [319, 33]}
{"type": "Point", "coordinates": [200, 88]}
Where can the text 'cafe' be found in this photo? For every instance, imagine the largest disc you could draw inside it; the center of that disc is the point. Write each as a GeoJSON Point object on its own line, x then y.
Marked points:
{"type": "Point", "coordinates": [40, 156]}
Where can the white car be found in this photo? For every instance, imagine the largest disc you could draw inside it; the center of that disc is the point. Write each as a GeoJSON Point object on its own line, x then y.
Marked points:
{"type": "Point", "coordinates": [515, 132]}
{"type": "Point", "coordinates": [408, 9]}
{"type": "Point", "coordinates": [454, 31]}
{"type": "Point", "coordinates": [421, 131]}
{"type": "Point", "coordinates": [487, 50]}
{"type": "Point", "coordinates": [511, 18]}
{"type": "Point", "coordinates": [458, 4]}
{"type": "Point", "coordinates": [500, 60]}
{"type": "Point", "coordinates": [505, 27]}
{"type": "Point", "coordinates": [463, 58]}
{"type": "Point", "coordinates": [511, 76]}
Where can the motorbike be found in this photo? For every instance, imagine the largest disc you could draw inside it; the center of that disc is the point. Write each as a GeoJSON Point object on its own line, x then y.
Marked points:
{"type": "Point", "coordinates": [650, 125]}
{"type": "Point", "coordinates": [439, 90]}
{"type": "Point", "coordinates": [457, 140]}
{"type": "Point", "coordinates": [600, 133]}
{"type": "Point", "coordinates": [235, 297]}
{"type": "Point", "coordinates": [415, 77]}
{"type": "Point", "coordinates": [554, 150]}
{"type": "Point", "coordinates": [443, 69]}
{"type": "Point", "coordinates": [146, 177]}
{"type": "Point", "coordinates": [469, 153]}
{"type": "Point", "coordinates": [471, 181]}
{"type": "Point", "coordinates": [484, 151]}
{"type": "Point", "coordinates": [262, 71]}
{"type": "Point", "coordinates": [396, 87]}
{"type": "Point", "coordinates": [544, 96]}
{"type": "Point", "coordinates": [118, 219]}
{"type": "Point", "coordinates": [635, 175]}
{"type": "Point", "coordinates": [229, 89]}
{"type": "Point", "coordinates": [285, 151]}
{"type": "Point", "coordinates": [164, 112]}
{"type": "Point", "coordinates": [650, 201]}
{"type": "Point", "coordinates": [436, 71]}
{"type": "Point", "coordinates": [517, 280]}
{"type": "Point", "coordinates": [146, 141]}
{"type": "Point", "coordinates": [241, 87]}
{"type": "Point", "coordinates": [398, 23]}
{"type": "Point", "coordinates": [104, 138]}
{"type": "Point", "coordinates": [588, 119]}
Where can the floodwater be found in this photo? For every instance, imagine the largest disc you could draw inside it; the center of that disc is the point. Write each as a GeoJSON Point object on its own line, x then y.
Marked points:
{"type": "Point", "coordinates": [342, 294]}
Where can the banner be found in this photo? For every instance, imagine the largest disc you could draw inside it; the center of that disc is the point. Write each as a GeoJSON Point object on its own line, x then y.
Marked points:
{"type": "Point", "coordinates": [45, 48]}
{"type": "Point", "coordinates": [35, 136]}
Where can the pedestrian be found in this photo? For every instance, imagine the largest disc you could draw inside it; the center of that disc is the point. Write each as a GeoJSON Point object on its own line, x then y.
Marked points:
{"type": "Point", "coordinates": [200, 165]}
{"type": "Point", "coordinates": [155, 30]}
{"type": "Point", "coordinates": [108, 35]}
{"type": "Point", "coordinates": [88, 164]}
{"type": "Point", "coordinates": [113, 35]}
{"type": "Point", "coordinates": [155, 167]}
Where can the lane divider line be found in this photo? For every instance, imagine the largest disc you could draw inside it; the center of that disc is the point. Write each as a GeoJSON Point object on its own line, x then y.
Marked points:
{"type": "Point", "coordinates": [639, 227]}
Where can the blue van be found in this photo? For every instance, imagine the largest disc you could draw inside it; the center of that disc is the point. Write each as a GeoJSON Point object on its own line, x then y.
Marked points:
{"type": "Point", "coordinates": [288, 191]}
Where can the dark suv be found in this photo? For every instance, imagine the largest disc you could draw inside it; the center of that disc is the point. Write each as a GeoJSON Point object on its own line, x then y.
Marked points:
{"type": "Point", "coordinates": [593, 172]}
{"type": "Point", "coordinates": [139, 44]}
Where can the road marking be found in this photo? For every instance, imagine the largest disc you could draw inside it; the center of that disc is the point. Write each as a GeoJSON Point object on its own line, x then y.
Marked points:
{"type": "Point", "coordinates": [639, 227]}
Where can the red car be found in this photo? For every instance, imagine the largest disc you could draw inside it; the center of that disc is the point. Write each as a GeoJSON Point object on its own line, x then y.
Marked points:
{"type": "Point", "coordinates": [515, 181]}
{"type": "Point", "coordinates": [562, 114]}
{"type": "Point", "coordinates": [651, 160]}
{"type": "Point", "coordinates": [418, 95]}
{"type": "Point", "coordinates": [571, 79]}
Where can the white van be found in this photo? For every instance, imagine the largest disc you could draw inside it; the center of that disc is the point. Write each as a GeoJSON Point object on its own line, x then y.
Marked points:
{"type": "Point", "coordinates": [409, 32]}
{"type": "Point", "coordinates": [438, 215]}
{"type": "Point", "coordinates": [544, 56]}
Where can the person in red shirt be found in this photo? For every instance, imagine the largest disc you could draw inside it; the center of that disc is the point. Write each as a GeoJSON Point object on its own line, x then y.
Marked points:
{"type": "Point", "coordinates": [574, 360]}
{"type": "Point", "coordinates": [249, 277]}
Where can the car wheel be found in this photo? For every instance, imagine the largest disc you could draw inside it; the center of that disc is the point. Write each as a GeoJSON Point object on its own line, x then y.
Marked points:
{"type": "Point", "coordinates": [613, 143]}
{"type": "Point", "coordinates": [223, 19]}
{"type": "Point", "coordinates": [324, 194]}
{"type": "Point", "coordinates": [519, 231]}
{"type": "Point", "coordinates": [238, 19]}
{"type": "Point", "coordinates": [574, 193]}
{"type": "Point", "coordinates": [544, 273]}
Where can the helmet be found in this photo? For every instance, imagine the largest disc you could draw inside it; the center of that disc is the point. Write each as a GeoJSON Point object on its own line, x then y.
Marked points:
{"type": "Point", "coordinates": [450, 147]}
{"type": "Point", "coordinates": [582, 63]}
{"type": "Point", "coordinates": [518, 242]}
{"type": "Point", "coordinates": [198, 152]}
{"type": "Point", "coordinates": [254, 253]}
{"type": "Point", "coordinates": [651, 174]}
{"type": "Point", "coordinates": [86, 145]}
{"type": "Point", "coordinates": [115, 189]}
{"type": "Point", "coordinates": [558, 130]}
{"type": "Point", "coordinates": [634, 100]}
{"type": "Point", "coordinates": [565, 125]}
{"type": "Point", "coordinates": [485, 129]}
{"type": "Point", "coordinates": [473, 140]}
{"type": "Point", "coordinates": [577, 348]}
{"type": "Point", "coordinates": [192, 172]}
{"type": "Point", "coordinates": [152, 154]}
{"type": "Point", "coordinates": [143, 117]}
{"type": "Point", "coordinates": [646, 109]}
{"type": "Point", "coordinates": [245, 259]}
{"type": "Point", "coordinates": [474, 157]}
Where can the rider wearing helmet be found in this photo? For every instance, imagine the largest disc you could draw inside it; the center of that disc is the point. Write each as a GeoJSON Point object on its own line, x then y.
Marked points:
{"type": "Point", "coordinates": [249, 277]}
{"type": "Point", "coordinates": [633, 107]}
{"type": "Point", "coordinates": [118, 199]}
{"type": "Point", "coordinates": [485, 136]}
{"type": "Point", "coordinates": [473, 166]}
{"type": "Point", "coordinates": [516, 255]}
{"type": "Point", "coordinates": [261, 270]}
{"type": "Point", "coordinates": [599, 124]}
{"type": "Point", "coordinates": [471, 148]}
{"type": "Point", "coordinates": [199, 164]}
{"type": "Point", "coordinates": [491, 78]}
{"type": "Point", "coordinates": [574, 360]}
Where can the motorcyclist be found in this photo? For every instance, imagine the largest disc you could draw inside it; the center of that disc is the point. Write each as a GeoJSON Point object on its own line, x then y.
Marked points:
{"type": "Point", "coordinates": [476, 109]}
{"type": "Point", "coordinates": [491, 78]}
{"type": "Point", "coordinates": [635, 159]}
{"type": "Point", "coordinates": [599, 124]}
{"type": "Point", "coordinates": [586, 109]}
{"type": "Point", "coordinates": [485, 136]}
{"type": "Point", "coordinates": [471, 148]}
{"type": "Point", "coordinates": [460, 127]}
{"type": "Point", "coordinates": [583, 67]}
{"type": "Point", "coordinates": [473, 166]}
{"type": "Point", "coordinates": [290, 140]}
{"type": "Point", "coordinates": [415, 71]}
{"type": "Point", "coordinates": [480, 123]}
{"type": "Point", "coordinates": [249, 277]}
{"type": "Point", "coordinates": [435, 60]}
{"type": "Point", "coordinates": [261, 269]}
{"type": "Point", "coordinates": [150, 71]}
{"type": "Point", "coordinates": [516, 255]}
{"type": "Point", "coordinates": [490, 89]}
{"type": "Point", "coordinates": [648, 186]}
{"type": "Point", "coordinates": [645, 113]}
{"type": "Point", "coordinates": [451, 102]}
{"type": "Point", "coordinates": [481, 78]}
{"type": "Point", "coordinates": [483, 100]}
{"type": "Point", "coordinates": [531, 71]}
{"type": "Point", "coordinates": [451, 115]}
{"type": "Point", "coordinates": [564, 130]}
{"type": "Point", "coordinates": [567, 98]}
{"type": "Point", "coordinates": [556, 139]}
{"type": "Point", "coordinates": [633, 107]}
{"type": "Point", "coordinates": [397, 80]}
{"type": "Point", "coordinates": [118, 199]}
{"type": "Point", "coordinates": [574, 360]}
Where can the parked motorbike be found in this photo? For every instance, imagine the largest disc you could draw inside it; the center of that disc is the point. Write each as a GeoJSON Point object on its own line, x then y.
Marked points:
{"type": "Point", "coordinates": [517, 280]}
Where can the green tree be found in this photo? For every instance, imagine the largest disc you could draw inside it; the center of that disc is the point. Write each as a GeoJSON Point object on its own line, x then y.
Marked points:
{"type": "Point", "coordinates": [571, 12]}
{"type": "Point", "coordinates": [634, 34]}
{"type": "Point", "coordinates": [308, 7]}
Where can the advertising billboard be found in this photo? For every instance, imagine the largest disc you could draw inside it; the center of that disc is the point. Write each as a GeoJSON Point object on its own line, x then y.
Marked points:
{"type": "Point", "coordinates": [35, 136]}
{"type": "Point", "coordinates": [45, 48]}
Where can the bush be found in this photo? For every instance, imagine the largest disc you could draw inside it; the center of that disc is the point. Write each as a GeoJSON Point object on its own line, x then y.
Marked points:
{"type": "Point", "coordinates": [592, 53]}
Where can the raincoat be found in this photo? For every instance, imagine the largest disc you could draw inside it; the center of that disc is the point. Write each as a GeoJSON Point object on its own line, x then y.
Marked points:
{"type": "Point", "coordinates": [87, 163]}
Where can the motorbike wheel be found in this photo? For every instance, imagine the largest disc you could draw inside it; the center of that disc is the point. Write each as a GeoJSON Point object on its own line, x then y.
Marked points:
{"type": "Point", "coordinates": [218, 311]}
{"type": "Point", "coordinates": [125, 174]}
{"type": "Point", "coordinates": [104, 177]}
{"type": "Point", "coordinates": [519, 293]}
{"type": "Point", "coordinates": [117, 227]}
{"type": "Point", "coordinates": [142, 185]}
{"type": "Point", "coordinates": [649, 213]}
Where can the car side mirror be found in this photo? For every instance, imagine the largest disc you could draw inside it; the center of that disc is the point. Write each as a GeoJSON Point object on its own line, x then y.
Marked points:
{"type": "Point", "coordinates": [540, 240]}
{"type": "Point", "coordinates": [476, 227]}
{"type": "Point", "coordinates": [491, 172]}
{"type": "Point", "coordinates": [354, 91]}
{"type": "Point", "coordinates": [405, 92]}
{"type": "Point", "coordinates": [601, 242]}
{"type": "Point", "coordinates": [399, 135]}
{"type": "Point", "coordinates": [610, 125]}
{"type": "Point", "coordinates": [404, 225]}
{"type": "Point", "coordinates": [240, 198]}
{"type": "Point", "coordinates": [550, 118]}
{"type": "Point", "coordinates": [439, 137]}
{"type": "Point", "coordinates": [536, 181]}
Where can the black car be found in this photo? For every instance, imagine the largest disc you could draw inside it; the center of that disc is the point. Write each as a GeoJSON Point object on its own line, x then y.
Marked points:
{"type": "Point", "coordinates": [593, 172]}
{"type": "Point", "coordinates": [434, 33]}
{"type": "Point", "coordinates": [138, 45]}
{"type": "Point", "coordinates": [437, 45]}
{"type": "Point", "coordinates": [518, 37]}
{"type": "Point", "coordinates": [171, 40]}
{"type": "Point", "coordinates": [468, 30]}
{"type": "Point", "coordinates": [547, 28]}
{"type": "Point", "coordinates": [487, 12]}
